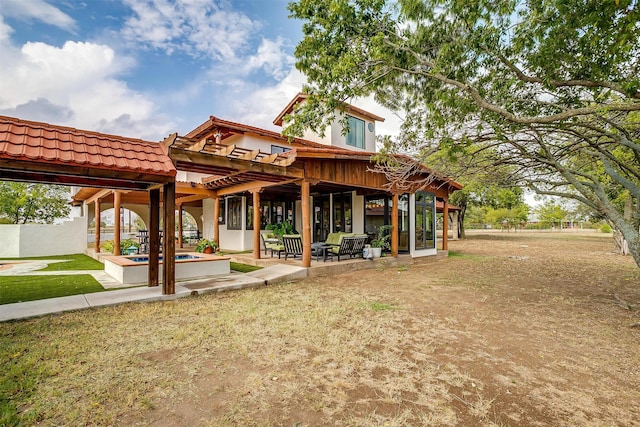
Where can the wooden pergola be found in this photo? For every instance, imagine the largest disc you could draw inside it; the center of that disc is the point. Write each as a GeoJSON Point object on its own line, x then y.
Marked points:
{"type": "Point", "coordinates": [43, 153]}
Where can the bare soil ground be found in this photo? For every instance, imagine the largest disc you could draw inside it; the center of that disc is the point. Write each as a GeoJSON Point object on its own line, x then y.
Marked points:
{"type": "Point", "coordinates": [523, 329]}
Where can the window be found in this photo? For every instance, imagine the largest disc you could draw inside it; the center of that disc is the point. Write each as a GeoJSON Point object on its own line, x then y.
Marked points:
{"type": "Point", "coordinates": [234, 213]}
{"type": "Point", "coordinates": [377, 213]}
{"type": "Point", "coordinates": [276, 149]}
{"type": "Point", "coordinates": [223, 213]}
{"type": "Point", "coordinates": [271, 212]}
{"type": "Point", "coordinates": [355, 136]}
{"type": "Point", "coordinates": [342, 215]}
{"type": "Point", "coordinates": [249, 224]}
{"type": "Point", "coordinates": [425, 205]}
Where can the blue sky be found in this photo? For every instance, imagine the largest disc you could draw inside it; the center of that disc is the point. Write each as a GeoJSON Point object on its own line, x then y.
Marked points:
{"type": "Point", "coordinates": [147, 68]}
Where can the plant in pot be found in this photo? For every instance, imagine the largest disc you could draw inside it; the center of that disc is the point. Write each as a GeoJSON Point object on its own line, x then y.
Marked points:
{"type": "Point", "coordinates": [381, 242]}
{"type": "Point", "coordinates": [281, 228]}
{"type": "Point", "coordinates": [207, 246]}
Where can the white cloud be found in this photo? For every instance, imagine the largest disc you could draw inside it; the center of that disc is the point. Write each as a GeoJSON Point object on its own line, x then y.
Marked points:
{"type": "Point", "coordinates": [271, 57]}
{"type": "Point", "coordinates": [196, 27]}
{"type": "Point", "coordinates": [75, 85]}
{"type": "Point", "coordinates": [259, 106]}
{"type": "Point", "coordinates": [5, 31]}
{"type": "Point", "coordinates": [38, 10]}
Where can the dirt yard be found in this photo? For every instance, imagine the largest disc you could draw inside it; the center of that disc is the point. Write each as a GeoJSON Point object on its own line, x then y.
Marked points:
{"type": "Point", "coordinates": [524, 329]}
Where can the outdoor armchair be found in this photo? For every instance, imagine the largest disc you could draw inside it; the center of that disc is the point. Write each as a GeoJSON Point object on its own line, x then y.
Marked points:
{"type": "Point", "coordinates": [271, 243]}
{"type": "Point", "coordinates": [292, 245]}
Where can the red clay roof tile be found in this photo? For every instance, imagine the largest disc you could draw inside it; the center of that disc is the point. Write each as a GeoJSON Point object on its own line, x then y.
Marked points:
{"type": "Point", "coordinates": [36, 141]}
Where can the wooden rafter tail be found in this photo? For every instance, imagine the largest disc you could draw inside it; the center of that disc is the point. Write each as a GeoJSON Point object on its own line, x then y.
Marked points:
{"type": "Point", "coordinates": [197, 145]}
{"type": "Point", "coordinates": [251, 155]}
{"type": "Point", "coordinates": [270, 158]}
{"type": "Point", "coordinates": [224, 150]}
{"type": "Point", "coordinates": [170, 140]}
{"type": "Point", "coordinates": [284, 161]}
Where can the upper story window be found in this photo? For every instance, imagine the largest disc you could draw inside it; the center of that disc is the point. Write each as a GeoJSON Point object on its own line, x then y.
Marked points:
{"type": "Point", "coordinates": [276, 149]}
{"type": "Point", "coordinates": [355, 136]}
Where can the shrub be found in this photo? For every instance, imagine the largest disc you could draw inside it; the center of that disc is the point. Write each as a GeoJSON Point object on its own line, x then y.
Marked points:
{"type": "Point", "coordinates": [605, 228]}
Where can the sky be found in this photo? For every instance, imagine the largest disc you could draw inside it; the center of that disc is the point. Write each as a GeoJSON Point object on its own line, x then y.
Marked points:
{"type": "Point", "coordinates": [148, 68]}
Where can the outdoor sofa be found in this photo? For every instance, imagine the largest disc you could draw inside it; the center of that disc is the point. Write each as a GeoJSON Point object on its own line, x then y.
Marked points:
{"type": "Point", "coordinates": [346, 244]}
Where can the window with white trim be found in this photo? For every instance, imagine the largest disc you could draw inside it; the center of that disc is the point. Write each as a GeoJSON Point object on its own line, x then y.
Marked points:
{"type": "Point", "coordinates": [355, 136]}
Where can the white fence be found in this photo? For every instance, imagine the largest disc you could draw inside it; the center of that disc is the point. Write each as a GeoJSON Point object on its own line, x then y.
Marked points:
{"type": "Point", "coordinates": [27, 240]}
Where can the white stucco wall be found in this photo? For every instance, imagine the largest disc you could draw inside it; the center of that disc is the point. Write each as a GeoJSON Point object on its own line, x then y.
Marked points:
{"type": "Point", "coordinates": [254, 142]}
{"type": "Point", "coordinates": [340, 140]}
{"type": "Point", "coordinates": [27, 240]}
{"type": "Point", "coordinates": [357, 211]}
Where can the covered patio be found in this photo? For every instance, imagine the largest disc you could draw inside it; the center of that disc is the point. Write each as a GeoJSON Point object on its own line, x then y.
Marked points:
{"type": "Point", "coordinates": [43, 153]}
{"type": "Point", "coordinates": [307, 171]}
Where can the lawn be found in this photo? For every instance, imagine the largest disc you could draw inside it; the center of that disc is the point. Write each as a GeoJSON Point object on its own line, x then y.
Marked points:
{"type": "Point", "coordinates": [72, 262]}
{"type": "Point", "coordinates": [30, 288]}
{"type": "Point", "coordinates": [522, 329]}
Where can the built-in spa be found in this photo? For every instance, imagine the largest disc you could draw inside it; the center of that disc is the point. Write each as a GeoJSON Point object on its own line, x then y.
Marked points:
{"type": "Point", "coordinates": [133, 269]}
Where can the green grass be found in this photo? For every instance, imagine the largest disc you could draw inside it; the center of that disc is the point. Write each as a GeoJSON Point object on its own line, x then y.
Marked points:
{"type": "Point", "coordinates": [456, 254]}
{"type": "Point", "coordinates": [243, 268]}
{"type": "Point", "coordinates": [73, 262]}
{"type": "Point", "coordinates": [30, 288]}
{"type": "Point", "coordinates": [379, 306]}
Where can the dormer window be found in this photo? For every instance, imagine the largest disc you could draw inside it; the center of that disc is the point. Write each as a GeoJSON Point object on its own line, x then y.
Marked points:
{"type": "Point", "coordinates": [355, 136]}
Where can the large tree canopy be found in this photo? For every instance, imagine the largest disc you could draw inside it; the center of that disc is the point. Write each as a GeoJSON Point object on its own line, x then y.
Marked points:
{"type": "Point", "coordinates": [22, 202]}
{"type": "Point", "coordinates": [549, 89]}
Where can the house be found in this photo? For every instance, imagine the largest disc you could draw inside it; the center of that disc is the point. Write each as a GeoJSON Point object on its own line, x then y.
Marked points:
{"type": "Point", "coordinates": [236, 179]}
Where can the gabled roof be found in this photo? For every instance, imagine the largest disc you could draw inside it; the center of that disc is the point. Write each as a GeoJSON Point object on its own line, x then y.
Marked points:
{"type": "Point", "coordinates": [49, 153]}
{"type": "Point", "coordinates": [227, 128]}
{"type": "Point", "coordinates": [302, 96]}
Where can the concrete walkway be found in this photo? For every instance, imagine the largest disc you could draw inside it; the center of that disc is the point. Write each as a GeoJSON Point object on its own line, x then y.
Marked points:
{"type": "Point", "coordinates": [270, 275]}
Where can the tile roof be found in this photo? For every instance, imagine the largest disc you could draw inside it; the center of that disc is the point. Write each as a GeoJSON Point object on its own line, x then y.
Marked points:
{"type": "Point", "coordinates": [348, 108]}
{"type": "Point", "coordinates": [36, 142]}
{"type": "Point", "coordinates": [217, 123]}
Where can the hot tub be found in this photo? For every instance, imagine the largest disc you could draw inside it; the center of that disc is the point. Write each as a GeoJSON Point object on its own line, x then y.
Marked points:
{"type": "Point", "coordinates": [133, 269]}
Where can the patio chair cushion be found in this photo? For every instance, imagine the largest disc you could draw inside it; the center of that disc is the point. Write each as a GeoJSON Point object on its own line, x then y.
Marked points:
{"type": "Point", "coordinates": [351, 245]}
{"type": "Point", "coordinates": [336, 238]}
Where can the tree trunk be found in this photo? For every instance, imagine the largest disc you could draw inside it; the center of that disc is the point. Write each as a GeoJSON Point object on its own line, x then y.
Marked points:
{"type": "Point", "coordinates": [463, 210]}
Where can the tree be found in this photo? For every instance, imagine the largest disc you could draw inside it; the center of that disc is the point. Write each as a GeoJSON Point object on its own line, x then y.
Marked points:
{"type": "Point", "coordinates": [551, 213]}
{"type": "Point", "coordinates": [550, 89]}
{"type": "Point", "coordinates": [23, 203]}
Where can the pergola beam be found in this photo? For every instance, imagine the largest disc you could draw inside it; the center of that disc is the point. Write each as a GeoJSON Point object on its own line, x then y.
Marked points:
{"type": "Point", "coordinates": [215, 161]}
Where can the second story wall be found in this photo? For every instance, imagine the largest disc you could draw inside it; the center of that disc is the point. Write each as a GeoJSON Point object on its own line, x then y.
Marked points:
{"type": "Point", "coordinates": [361, 136]}
{"type": "Point", "coordinates": [255, 142]}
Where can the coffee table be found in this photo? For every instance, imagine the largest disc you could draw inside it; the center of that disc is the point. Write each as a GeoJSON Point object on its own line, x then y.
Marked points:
{"type": "Point", "coordinates": [320, 249]}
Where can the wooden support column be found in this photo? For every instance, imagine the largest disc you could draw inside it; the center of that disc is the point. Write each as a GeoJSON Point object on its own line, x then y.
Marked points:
{"type": "Point", "coordinates": [256, 224]}
{"type": "Point", "coordinates": [169, 241]}
{"type": "Point", "coordinates": [180, 243]}
{"type": "Point", "coordinates": [395, 229]}
{"type": "Point", "coordinates": [216, 220]}
{"type": "Point", "coordinates": [97, 215]}
{"type": "Point", "coordinates": [445, 225]}
{"type": "Point", "coordinates": [116, 222]}
{"type": "Point", "coordinates": [306, 225]}
{"type": "Point", "coordinates": [154, 237]}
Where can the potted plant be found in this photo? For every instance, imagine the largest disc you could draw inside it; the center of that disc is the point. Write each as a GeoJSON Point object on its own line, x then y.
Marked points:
{"type": "Point", "coordinates": [207, 246]}
{"type": "Point", "coordinates": [381, 241]}
{"type": "Point", "coordinates": [281, 228]}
